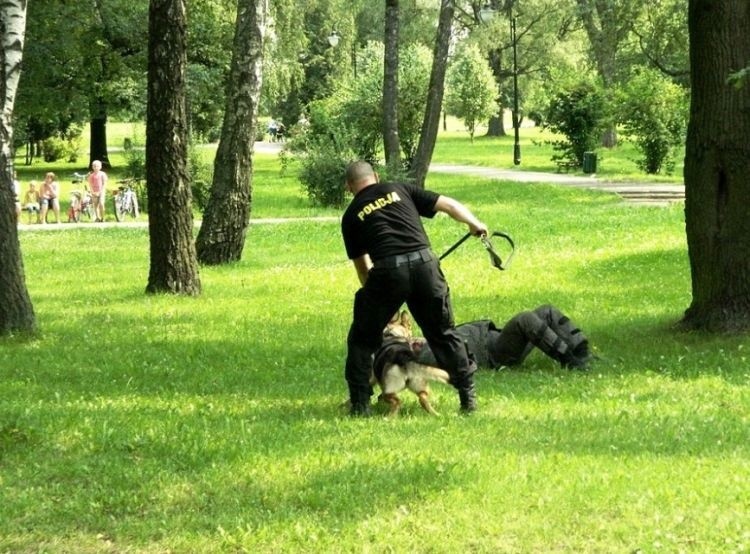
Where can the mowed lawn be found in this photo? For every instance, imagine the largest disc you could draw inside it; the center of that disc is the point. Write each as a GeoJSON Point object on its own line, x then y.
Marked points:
{"type": "Point", "coordinates": [137, 423]}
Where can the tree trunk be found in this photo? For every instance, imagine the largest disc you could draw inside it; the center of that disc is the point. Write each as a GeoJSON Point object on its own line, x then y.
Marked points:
{"type": "Point", "coordinates": [390, 86]}
{"type": "Point", "coordinates": [98, 135]}
{"type": "Point", "coordinates": [174, 267]}
{"type": "Point", "coordinates": [16, 310]}
{"type": "Point", "coordinates": [222, 235]}
{"type": "Point", "coordinates": [496, 125]}
{"type": "Point", "coordinates": [717, 167]}
{"type": "Point", "coordinates": [608, 25]}
{"type": "Point", "coordinates": [421, 163]}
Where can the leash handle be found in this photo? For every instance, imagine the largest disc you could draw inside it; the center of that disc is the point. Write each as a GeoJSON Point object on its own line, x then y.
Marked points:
{"type": "Point", "coordinates": [494, 257]}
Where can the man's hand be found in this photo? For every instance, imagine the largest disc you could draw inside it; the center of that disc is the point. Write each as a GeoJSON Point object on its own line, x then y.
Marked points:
{"type": "Point", "coordinates": [478, 229]}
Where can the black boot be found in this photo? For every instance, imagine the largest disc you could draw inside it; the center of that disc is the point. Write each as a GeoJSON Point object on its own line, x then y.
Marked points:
{"type": "Point", "coordinates": [570, 361]}
{"type": "Point", "coordinates": [360, 409]}
{"type": "Point", "coordinates": [467, 395]}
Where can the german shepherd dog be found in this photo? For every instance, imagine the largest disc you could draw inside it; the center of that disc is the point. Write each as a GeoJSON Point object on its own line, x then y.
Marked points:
{"type": "Point", "coordinates": [395, 366]}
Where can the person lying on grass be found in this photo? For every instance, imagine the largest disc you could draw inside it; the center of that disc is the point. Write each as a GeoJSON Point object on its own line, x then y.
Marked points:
{"type": "Point", "coordinates": [544, 327]}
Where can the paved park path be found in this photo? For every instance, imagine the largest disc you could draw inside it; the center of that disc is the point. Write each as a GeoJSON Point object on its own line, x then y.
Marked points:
{"type": "Point", "coordinates": [642, 194]}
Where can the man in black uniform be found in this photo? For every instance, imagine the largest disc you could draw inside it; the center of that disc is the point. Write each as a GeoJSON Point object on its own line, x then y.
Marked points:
{"type": "Point", "coordinates": [385, 239]}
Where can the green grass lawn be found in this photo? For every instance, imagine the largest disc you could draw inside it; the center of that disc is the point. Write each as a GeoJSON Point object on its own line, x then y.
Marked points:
{"type": "Point", "coordinates": [137, 423]}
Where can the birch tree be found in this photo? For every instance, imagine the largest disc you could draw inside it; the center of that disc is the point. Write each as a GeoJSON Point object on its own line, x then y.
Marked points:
{"type": "Point", "coordinates": [16, 310]}
{"type": "Point", "coordinates": [222, 235]}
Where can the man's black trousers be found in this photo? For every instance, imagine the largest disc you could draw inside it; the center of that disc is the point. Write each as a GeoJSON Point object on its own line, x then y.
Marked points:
{"type": "Point", "coordinates": [421, 284]}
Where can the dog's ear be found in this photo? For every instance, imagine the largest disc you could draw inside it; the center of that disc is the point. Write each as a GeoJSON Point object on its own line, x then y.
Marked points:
{"type": "Point", "coordinates": [394, 319]}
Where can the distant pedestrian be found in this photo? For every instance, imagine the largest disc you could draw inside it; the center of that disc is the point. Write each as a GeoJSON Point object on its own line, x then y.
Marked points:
{"type": "Point", "coordinates": [97, 181]}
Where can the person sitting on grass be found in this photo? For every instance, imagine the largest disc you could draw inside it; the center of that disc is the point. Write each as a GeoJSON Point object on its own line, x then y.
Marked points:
{"type": "Point", "coordinates": [31, 201]}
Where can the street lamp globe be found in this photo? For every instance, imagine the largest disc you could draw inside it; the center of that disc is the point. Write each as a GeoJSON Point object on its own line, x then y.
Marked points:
{"type": "Point", "coordinates": [487, 13]}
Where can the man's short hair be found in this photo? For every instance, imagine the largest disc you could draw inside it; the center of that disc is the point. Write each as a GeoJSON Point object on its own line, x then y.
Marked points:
{"type": "Point", "coordinates": [358, 171]}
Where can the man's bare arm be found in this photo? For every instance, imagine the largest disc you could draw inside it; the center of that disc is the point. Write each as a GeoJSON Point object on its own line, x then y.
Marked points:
{"type": "Point", "coordinates": [460, 213]}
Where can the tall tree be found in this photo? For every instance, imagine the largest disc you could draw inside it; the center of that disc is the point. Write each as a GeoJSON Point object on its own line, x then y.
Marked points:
{"type": "Point", "coordinates": [174, 267]}
{"type": "Point", "coordinates": [16, 311]}
{"type": "Point", "coordinates": [222, 235]}
{"type": "Point", "coordinates": [717, 167]}
{"type": "Point", "coordinates": [608, 24]}
{"type": "Point", "coordinates": [431, 121]}
{"type": "Point", "coordinates": [390, 85]}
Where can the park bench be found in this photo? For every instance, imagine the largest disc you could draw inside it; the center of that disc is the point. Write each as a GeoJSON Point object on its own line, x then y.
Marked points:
{"type": "Point", "coordinates": [566, 165]}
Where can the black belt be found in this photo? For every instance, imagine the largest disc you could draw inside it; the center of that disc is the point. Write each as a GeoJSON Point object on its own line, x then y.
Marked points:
{"type": "Point", "coordinates": [424, 255]}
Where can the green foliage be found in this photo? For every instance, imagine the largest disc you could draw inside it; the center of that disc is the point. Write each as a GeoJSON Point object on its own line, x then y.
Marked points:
{"type": "Point", "coordinates": [351, 118]}
{"type": "Point", "coordinates": [739, 78]}
{"type": "Point", "coordinates": [201, 178]}
{"type": "Point", "coordinates": [63, 146]}
{"type": "Point", "coordinates": [577, 113]}
{"type": "Point", "coordinates": [348, 124]}
{"type": "Point", "coordinates": [654, 112]}
{"type": "Point", "coordinates": [134, 152]}
{"type": "Point", "coordinates": [471, 89]}
{"type": "Point", "coordinates": [322, 173]}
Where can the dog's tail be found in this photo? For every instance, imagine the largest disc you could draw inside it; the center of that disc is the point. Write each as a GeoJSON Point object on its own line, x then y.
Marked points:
{"type": "Point", "coordinates": [432, 373]}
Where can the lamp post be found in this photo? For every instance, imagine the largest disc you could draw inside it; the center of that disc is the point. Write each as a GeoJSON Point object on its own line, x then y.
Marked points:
{"type": "Point", "coordinates": [486, 14]}
{"type": "Point", "coordinates": [516, 143]}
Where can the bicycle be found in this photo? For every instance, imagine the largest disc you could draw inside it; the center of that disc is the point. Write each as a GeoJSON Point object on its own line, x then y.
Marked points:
{"type": "Point", "coordinates": [80, 202]}
{"type": "Point", "coordinates": [125, 200]}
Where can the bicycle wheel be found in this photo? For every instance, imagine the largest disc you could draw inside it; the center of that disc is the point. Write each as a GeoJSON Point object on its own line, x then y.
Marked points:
{"type": "Point", "coordinates": [117, 202]}
{"type": "Point", "coordinates": [134, 206]}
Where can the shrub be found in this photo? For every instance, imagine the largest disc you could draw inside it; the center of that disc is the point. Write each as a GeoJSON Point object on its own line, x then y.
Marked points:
{"type": "Point", "coordinates": [57, 148]}
{"type": "Point", "coordinates": [135, 157]}
{"type": "Point", "coordinates": [201, 178]}
{"type": "Point", "coordinates": [577, 113]}
{"type": "Point", "coordinates": [352, 117]}
{"type": "Point", "coordinates": [654, 113]}
{"type": "Point", "coordinates": [323, 173]}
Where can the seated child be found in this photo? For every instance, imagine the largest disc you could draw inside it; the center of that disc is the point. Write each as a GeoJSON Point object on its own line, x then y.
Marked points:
{"type": "Point", "coordinates": [31, 201]}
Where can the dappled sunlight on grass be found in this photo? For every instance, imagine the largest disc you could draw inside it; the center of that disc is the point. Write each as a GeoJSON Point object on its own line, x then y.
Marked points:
{"type": "Point", "coordinates": [212, 424]}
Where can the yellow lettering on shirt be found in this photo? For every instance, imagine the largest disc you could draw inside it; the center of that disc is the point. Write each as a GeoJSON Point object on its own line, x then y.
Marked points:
{"type": "Point", "coordinates": [381, 202]}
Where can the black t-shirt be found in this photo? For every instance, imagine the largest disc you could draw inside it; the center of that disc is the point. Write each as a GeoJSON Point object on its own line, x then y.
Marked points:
{"type": "Point", "coordinates": [384, 220]}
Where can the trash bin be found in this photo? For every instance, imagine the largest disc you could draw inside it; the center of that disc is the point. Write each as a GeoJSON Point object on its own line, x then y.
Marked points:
{"type": "Point", "coordinates": [589, 162]}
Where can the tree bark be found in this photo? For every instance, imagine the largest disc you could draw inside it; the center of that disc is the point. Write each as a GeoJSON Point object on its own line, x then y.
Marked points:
{"type": "Point", "coordinates": [496, 125]}
{"type": "Point", "coordinates": [222, 235]}
{"type": "Point", "coordinates": [421, 163]}
{"type": "Point", "coordinates": [174, 267]}
{"type": "Point", "coordinates": [717, 167]}
{"type": "Point", "coordinates": [16, 310]}
{"type": "Point", "coordinates": [98, 135]}
{"type": "Point", "coordinates": [97, 103]}
{"type": "Point", "coordinates": [390, 86]}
